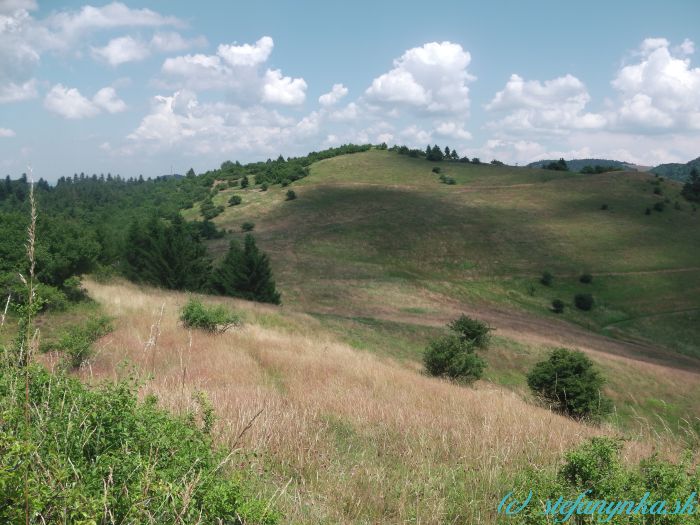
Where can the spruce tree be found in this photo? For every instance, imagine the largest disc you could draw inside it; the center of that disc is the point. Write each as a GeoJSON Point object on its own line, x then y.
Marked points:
{"type": "Point", "coordinates": [246, 274]}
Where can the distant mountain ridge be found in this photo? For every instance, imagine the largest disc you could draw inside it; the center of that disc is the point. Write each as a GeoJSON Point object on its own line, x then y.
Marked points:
{"type": "Point", "coordinates": [577, 165]}
{"type": "Point", "coordinates": [675, 170]}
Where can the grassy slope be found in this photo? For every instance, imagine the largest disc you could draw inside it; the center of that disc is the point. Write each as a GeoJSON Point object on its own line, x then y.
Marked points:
{"type": "Point", "coordinates": [378, 231]}
{"type": "Point", "coordinates": [343, 436]}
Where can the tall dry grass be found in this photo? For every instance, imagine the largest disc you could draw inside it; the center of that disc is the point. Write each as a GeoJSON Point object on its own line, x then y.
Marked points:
{"type": "Point", "coordinates": [343, 435]}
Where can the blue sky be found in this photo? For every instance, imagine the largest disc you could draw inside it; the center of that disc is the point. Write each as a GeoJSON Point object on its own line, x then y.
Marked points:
{"type": "Point", "coordinates": [138, 87]}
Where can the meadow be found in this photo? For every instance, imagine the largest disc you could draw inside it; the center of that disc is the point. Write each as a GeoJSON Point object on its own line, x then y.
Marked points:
{"type": "Point", "coordinates": [331, 434]}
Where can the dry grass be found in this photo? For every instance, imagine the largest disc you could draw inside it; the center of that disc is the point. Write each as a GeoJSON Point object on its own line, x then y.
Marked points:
{"type": "Point", "coordinates": [346, 436]}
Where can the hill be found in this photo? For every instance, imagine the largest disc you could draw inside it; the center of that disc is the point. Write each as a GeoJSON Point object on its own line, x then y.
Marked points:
{"type": "Point", "coordinates": [679, 172]}
{"type": "Point", "coordinates": [377, 235]}
{"type": "Point", "coordinates": [578, 164]}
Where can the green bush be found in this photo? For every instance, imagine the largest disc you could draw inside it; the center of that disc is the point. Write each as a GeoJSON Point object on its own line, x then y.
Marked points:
{"type": "Point", "coordinates": [558, 306]}
{"type": "Point", "coordinates": [291, 195]}
{"type": "Point", "coordinates": [210, 318]}
{"type": "Point", "coordinates": [568, 381]}
{"type": "Point", "coordinates": [263, 186]}
{"type": "Point", "coordinates": [248, 226]}
{"type": "Point", "coordinates": [471, 330]}
{"type": "Point", "coordinates": [76, 341]}
{"type": "Point", "coordinates": [453, 358]}
{"type": "Point", "coordinates": [89, 453]}
{"type": "Point", "coordinates": [584, 301]}
{"type": "Point", "coordinates": [659, 206]}
{"type": "Point", "coordinates": [597, 470]}
{"type": "Point", "coordinates": [73, 289]}
{"type": "Point", "coordinates": [235, 200]}
{"type": "Point", "coordinates": [546, 278]}
{"type": "Point", "coordinates": [52, 298]}
{"type": "Point", "coordinates": [436, 169]}
{"type": "Point", "coordinates": [586, 278]}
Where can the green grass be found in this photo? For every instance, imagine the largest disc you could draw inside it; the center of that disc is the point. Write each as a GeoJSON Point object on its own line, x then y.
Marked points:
{"type": "Point", "coordinates": [377, 225]}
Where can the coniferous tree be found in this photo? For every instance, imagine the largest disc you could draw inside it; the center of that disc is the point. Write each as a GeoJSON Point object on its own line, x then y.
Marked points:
{"type": "Point", "coordinates": [691, 189]}
{"type": "Point", "coordinates": [245, 273]}
{"type": "Point", "coordinates": [171, 256]}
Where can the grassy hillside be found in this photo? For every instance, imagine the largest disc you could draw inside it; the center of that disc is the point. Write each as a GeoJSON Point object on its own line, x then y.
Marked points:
{"type": "Point", "coordinates": [330, 434]}
{"type": "Point", "coordinates": [377, 235]}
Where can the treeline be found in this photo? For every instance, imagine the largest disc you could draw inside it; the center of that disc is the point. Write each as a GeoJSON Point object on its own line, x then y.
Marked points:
{"type": "Point", "coordinates": [171, 254]}
{"type": "Point", "coordinates": [82, 224]}
{"type": "Point", "coordinates": [436, 154]}
{"type": "Point", "coordinates": [281, 171]}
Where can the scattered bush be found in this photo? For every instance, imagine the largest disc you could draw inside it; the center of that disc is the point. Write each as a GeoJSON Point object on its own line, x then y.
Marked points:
{"type": "Point", "coordinates": [216, 319]}
{"type": "Point", "coordinates": [285, 183]}
{"type": "Point", "coordinates": [263, 186]}
{"type": "Point", "coordinates": [657, 191]}
{"type": "Point", "coordinates": [235, 200]}
{"type": "Point", "coordinates": [583, 301]}
{"type": "Point", "coordinates": [471, 330]}
{"type": "Point", "coordinates": [248, 226]}
{"type": "Point", "coordinates": [603, 207]}
{"type": "Point", "coordinates": [291, 195]}
{"type": "Point", "coordinates": [454, 358]}
{"type": "Point", "coordinates": [245, 182]}
{"type": "Point", "coordinates": [647, 211]}
{"type": "Point", "coordinates": [76, 342]}
{"type": "Point", "coordinates": [73, 289]}
{"type": "Point", "coordinates": [569, 382]}
{"type": "Point", "coordinates": [659, 206]}
{"type": "Point", "coordinates": [586, 278]}
{"type": "Point", "coordinates": [450, 181]}
{"type": "Point", "coordinates": [437, 169]}
{"type": "Point", "coordinates": [677, 206]}
{"type": "Point", "coordinates": [558, 306]}
{"type": "Point", "coordinates": [547, 278]}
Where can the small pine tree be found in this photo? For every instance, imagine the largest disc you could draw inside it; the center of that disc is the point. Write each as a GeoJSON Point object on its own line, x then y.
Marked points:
{"type": "Point", "coordinates": [244, 182]}
{"type": "Point", "coordinates": [291, 195]}
{"type": "Point", "coordinates": [246, 274]}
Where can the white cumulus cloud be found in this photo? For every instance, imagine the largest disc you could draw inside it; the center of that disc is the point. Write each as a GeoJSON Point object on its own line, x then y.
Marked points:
{"type": "Point", "coordinates": [279, 89]}
{"type": "Point", "coordinates": [121, 50]}
{"type": "Point", "coordinates": [5, 133]}
{"type": "Point", "coordinates": [337, 92]}
{"type": "Point", "coordinates": [661, 91]}
{"type": "Point", "coordinates": [238, 70]}
{"type": "Point", "coordinates": [247, 54]}
{"type": "Point", "coordinates": [552, 105]}
{"type": "Point", "coordinates": [432, 78]}
{"type": "Point", "coordinates": [71, 104]}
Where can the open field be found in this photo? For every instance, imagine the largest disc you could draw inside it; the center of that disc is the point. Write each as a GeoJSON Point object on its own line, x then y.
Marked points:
{"type": "Point", "coordinates": [342, 435]}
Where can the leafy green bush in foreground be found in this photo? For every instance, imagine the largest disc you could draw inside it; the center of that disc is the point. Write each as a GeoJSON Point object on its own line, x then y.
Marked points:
{"type": "Point", "coordinates": [101, 456]}
{"type": "Point", "coordinates": [597, 467]}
